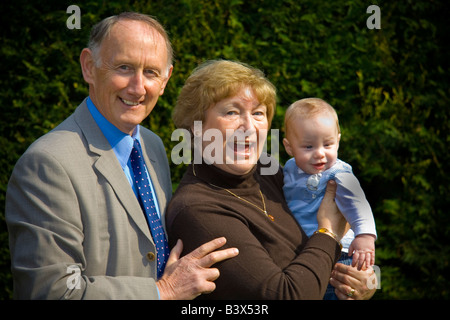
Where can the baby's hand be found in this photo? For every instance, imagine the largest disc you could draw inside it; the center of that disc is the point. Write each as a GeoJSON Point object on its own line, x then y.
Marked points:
{"type": "Point", "coordinates": [363, 250]}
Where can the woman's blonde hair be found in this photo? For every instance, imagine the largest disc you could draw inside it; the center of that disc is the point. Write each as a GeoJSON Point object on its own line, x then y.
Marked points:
{"type": "Point", "coordinates": [215, 80]}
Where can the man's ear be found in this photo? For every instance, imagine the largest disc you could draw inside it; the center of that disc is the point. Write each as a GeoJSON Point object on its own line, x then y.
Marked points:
{"type": "Point", "coordinates": [87, 65]}
{"type": "Point", "coordinates": [169, 73]}
{"type": "Point", "coordinates": [287, 146]}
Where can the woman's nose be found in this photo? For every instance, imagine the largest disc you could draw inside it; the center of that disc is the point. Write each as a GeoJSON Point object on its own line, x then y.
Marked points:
{"type": "Point", "coordinates": [246, 122]}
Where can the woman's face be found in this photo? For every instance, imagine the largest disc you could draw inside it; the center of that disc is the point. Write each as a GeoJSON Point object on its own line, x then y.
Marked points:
{"type": "Point", "coordinates": [234, 132]}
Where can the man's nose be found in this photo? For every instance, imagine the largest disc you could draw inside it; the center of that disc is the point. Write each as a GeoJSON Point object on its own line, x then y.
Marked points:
{"type": "Point", "coordinates": [136, 86]}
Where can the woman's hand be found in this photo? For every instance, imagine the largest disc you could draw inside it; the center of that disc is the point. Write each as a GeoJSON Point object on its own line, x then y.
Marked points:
{"type": "Point", "coordinates": [351, 283]}
{"type": "Point", "coordinates": [329, 216]}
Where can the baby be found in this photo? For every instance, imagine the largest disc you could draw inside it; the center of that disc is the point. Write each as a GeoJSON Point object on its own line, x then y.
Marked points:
{"type": "Point", "coordinates": [312, 138]}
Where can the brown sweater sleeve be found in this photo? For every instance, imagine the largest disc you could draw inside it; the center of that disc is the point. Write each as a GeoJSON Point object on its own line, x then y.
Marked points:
{"type": "Point", "coordinates": [254, 273]}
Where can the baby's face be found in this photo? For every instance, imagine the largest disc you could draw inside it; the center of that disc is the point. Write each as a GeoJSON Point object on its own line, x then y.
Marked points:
{"type": "Point", "coordinates": [313, 143]}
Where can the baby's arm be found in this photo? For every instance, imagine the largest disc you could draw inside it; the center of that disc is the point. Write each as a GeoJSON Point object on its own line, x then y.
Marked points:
{"type": "Point", "coordinates": [352, 202]}
{"type": "Point", "coordinates": [363, 250]}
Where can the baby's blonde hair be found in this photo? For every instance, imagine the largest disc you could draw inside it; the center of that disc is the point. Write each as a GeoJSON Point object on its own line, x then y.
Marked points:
{"type": "Point", "coordinates": [308, 108]}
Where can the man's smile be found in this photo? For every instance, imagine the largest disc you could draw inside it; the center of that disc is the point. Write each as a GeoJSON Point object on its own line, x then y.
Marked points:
{"type": "Point", "coordinates": [129, 103]}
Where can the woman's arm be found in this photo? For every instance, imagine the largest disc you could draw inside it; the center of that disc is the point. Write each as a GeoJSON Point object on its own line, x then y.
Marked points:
{"type": "Point", "coordinates": [348, 281]}
{"type": "Point", "coordinates": [329, 216]}
{"type": "Point", "coordinates": [254, 273]}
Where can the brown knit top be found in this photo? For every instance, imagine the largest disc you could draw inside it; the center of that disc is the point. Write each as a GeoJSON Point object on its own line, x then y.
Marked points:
{"type": "Point", "coordinates": [276, 259]}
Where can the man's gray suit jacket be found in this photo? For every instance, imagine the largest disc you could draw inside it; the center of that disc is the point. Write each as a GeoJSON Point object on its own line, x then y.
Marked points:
{"type": "Point", "coordinates": [76, 228]}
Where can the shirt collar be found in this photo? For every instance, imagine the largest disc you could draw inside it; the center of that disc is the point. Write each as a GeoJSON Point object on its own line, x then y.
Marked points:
{"type": "Point", "coordinates": [120, 142]}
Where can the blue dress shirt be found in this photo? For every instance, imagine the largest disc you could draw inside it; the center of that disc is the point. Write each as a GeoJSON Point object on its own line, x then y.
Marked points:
{"type": "Point", "coordinates": [122, 144]}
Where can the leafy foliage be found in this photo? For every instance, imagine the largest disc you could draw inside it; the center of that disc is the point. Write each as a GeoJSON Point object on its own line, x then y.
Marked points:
{"type": "Point", "coordinates": [389, 86]}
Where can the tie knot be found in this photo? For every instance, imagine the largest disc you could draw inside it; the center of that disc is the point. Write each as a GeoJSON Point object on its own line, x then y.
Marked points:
{"type": "Point", "coordinates": [137, 146]}
{"type": "Point", "coordinates": [136, 152]}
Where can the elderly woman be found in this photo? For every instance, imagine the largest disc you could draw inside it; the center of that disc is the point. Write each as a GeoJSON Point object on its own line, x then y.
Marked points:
{"type": "Point", "coordinates": [222, 197]}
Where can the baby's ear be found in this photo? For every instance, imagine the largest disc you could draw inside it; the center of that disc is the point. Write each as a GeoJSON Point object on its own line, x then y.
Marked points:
{"type": "Point", "coordinates": [287, 146]}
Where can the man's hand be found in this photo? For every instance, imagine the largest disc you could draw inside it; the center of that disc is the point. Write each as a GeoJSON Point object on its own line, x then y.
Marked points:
{"type": "Point", "coordinates": [191, 276]}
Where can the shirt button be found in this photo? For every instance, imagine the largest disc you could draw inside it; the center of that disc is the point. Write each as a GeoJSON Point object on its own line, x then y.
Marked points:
{"type": "Point", "coordinates": [150, 256]}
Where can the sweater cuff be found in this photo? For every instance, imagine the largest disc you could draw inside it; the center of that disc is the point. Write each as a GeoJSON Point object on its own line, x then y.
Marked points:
{"type": "Point", "coordinates": [326, 244]}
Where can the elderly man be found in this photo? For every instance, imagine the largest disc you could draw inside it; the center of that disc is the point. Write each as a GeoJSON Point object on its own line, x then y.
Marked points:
{"type": "Point", "coordinates": [85, 204]}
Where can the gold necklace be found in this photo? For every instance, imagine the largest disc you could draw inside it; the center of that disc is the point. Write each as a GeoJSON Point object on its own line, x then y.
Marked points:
{"type": "Point", "coordinates": [240, 198]}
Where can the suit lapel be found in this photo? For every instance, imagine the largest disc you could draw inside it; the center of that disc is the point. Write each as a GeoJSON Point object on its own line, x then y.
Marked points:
{"type": "Point", "coordinates": [108, 166]}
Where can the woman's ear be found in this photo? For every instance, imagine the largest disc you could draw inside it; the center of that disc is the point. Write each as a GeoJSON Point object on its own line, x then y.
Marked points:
{"type": "Point", "coordinates": [196, 130]}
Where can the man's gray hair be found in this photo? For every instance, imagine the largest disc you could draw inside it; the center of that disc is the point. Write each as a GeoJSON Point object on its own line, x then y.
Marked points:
{"type": "Point", "coordinates": [102, 29]}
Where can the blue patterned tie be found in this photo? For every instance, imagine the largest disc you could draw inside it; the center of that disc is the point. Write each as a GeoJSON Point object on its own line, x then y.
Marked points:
{"type": "Point", "coordinates": [148, 206]}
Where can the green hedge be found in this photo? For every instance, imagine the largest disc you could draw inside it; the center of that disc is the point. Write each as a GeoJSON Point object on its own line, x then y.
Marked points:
{"type": "Point", "coordinates": [389, 86]}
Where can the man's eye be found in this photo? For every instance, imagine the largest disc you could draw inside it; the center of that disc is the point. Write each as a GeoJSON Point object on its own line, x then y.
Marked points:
{"type": "Point", "coordinates": [151, 72]}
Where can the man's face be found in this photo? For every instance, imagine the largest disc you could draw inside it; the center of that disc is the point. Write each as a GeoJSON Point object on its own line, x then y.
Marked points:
{"type": "Point", "coordinates": [129, 75]}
